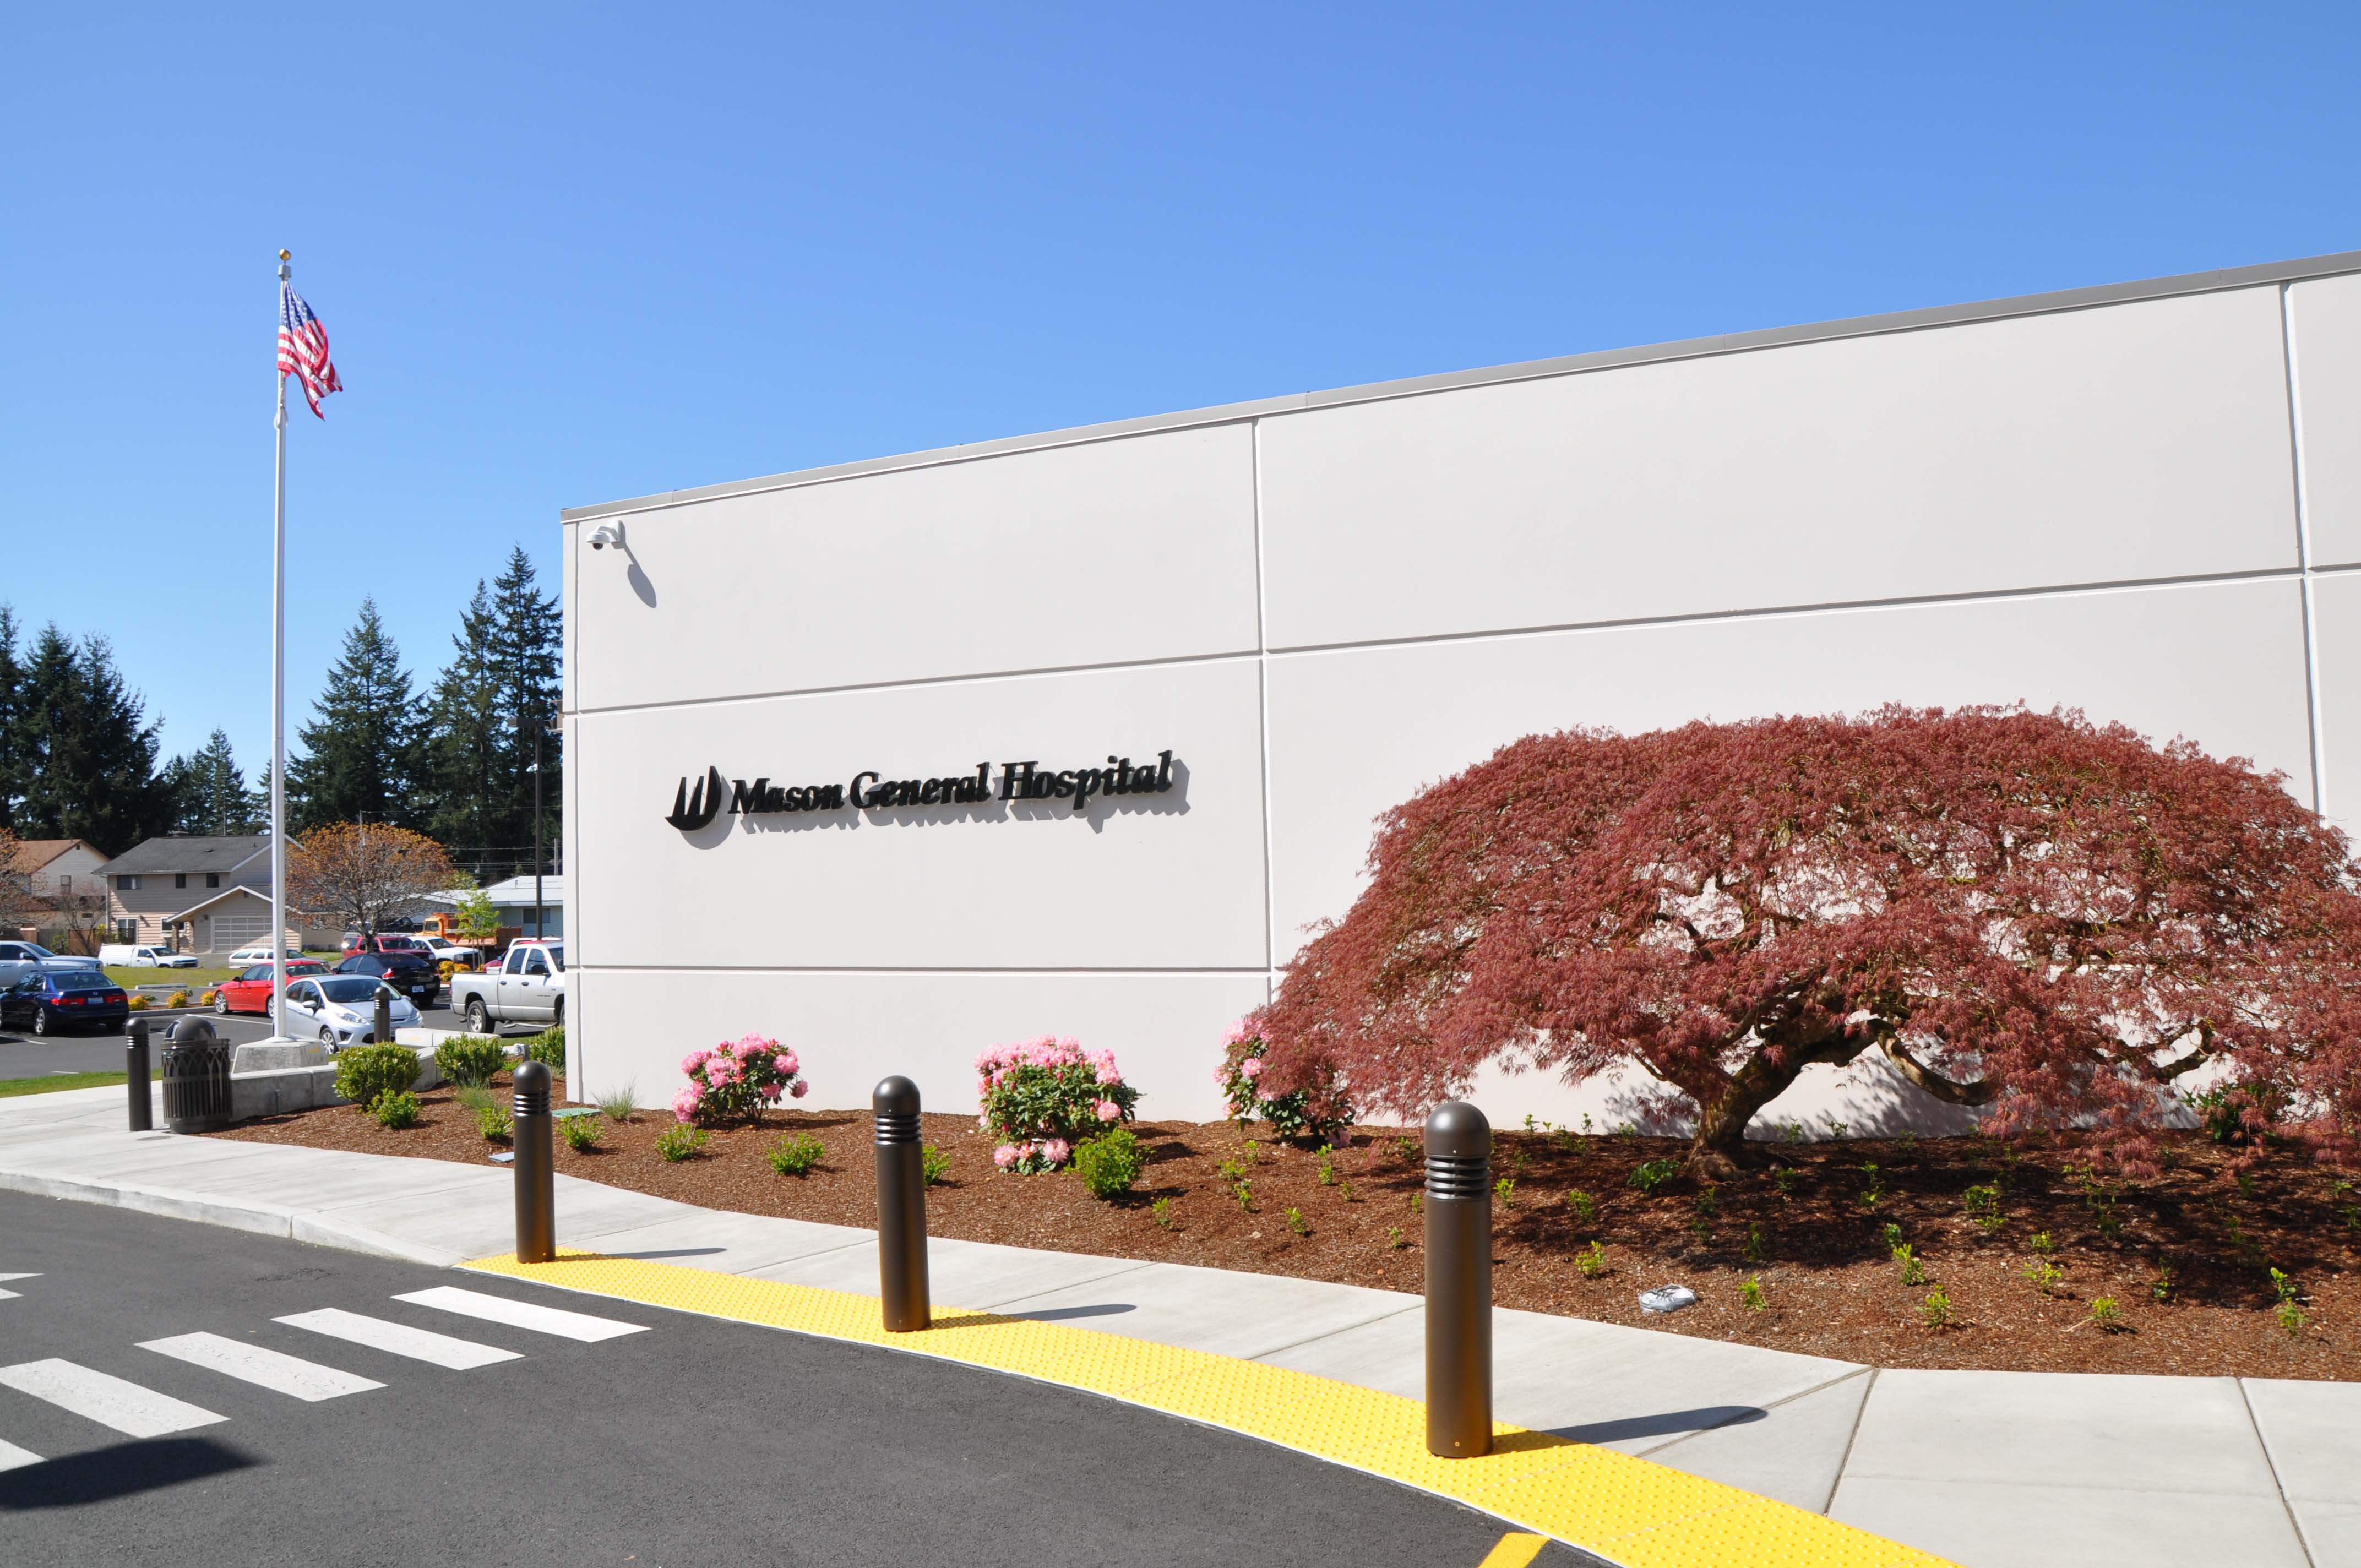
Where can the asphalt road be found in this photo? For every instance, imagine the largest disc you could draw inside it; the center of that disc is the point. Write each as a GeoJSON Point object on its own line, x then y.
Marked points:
{"type": "Point", "coordinates": [23, 1054]}
{"type": "Point", "coordinates": [693, 1442]}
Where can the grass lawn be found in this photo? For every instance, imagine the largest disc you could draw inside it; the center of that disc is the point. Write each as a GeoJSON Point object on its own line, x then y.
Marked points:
{"type": "Point", "coordinates": [55, 1082]}
{"type": "Point", "coordinates": [196, 980]}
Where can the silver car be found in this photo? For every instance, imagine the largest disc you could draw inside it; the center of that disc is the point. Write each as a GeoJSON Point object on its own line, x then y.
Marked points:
{"type": "Point", "coordinates": [343, 1008]}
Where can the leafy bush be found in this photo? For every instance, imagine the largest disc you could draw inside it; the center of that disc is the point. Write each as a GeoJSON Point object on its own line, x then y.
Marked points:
{"type": "Point", "coordinates": [177, 998]}
{"type": "Point", "coordinates": [396, 1109]}
{"type": "Point", "coordinates": [548, 1048]}
{"type": "Point", "coordinates": [493, 1124]}
{"type": "Point", "coordinates": [680, 1141]}
{"type": "Point", "coordinates": [207, 997]}
{"type": "Point", "coordinates": [1317, 1110]}
{"type": "Point", "coordinates": [1043, 1096]}
{"type": "Point", "coordinates": [737, 1080]}
{"type": "Point", "coordinates": [934, 1163]}
{"type": "Point", "coordinates": [1935, 1312]}
{"type": "Point", "coordinates": [1651, 1174]}
{"type": "Point", "coordinates": [471, 1058]}
{"type": "Point", "coordinates": [2105, 1316]}
{"type": "Point", "coordinates": [798, 1155]}
{"type": "Point", "coordinates": [364, 1074]}
{"type": "Point", "coordinates": [581, 1132]}
{"type": "Point", "coordinates": [1591, 1260]}
{"type": "Point", "coordinates": [138, 1002]}
{"type": "Point", "coordinates": [2237, 1113]}
{"type": "Point", "coordinates": [1111, 1162]}
{"type": "Point", "coordinates": [1750, 1294]}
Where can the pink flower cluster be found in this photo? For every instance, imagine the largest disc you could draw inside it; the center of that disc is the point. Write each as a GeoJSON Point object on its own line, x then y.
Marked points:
{"type": "Point", "coordinates": [1042, 1097]}
{"type": "Point", "coordinates": [993, 1067]}
{"type": "Point", "coordinates": [738, 1078]}
{"type": "Point", "coordinates": [1031, 1157]}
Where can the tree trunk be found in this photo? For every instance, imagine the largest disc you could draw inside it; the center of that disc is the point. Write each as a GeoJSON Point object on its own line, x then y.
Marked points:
{"type": "Point", "coordinates": [1720, 1151]}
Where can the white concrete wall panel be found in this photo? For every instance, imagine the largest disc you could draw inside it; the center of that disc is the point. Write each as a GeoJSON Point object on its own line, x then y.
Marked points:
{"type": "Point", "coordinates": [1355, 732]}
{"type": "Point", "coordinates": [851, 1030]}
{"type": "Point", "coordinates": [1170, 881]}
{"type": "Point", "coordinates": [2135, 443]}
{"type": "Point", "coordinates": [1112, 552]}
{"type": "Point", "coordinates": [2326, 315]}
{"type": "Point", "coordinates": [2336, 610]}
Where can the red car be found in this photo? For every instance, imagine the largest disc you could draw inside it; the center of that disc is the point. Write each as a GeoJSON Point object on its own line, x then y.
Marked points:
{"type": "Point", "coordinates": [250, 991]}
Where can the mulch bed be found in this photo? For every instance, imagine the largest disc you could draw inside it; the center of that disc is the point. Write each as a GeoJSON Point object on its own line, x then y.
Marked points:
{"type": "Point", "coordinates": [1812, 1231]}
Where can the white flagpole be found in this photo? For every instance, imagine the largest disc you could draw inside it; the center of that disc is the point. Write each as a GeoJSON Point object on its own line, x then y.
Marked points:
{"type": "Point", "coordinates": [279, 714]}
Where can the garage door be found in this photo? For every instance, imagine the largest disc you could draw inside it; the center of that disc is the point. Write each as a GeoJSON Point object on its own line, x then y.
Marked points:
{"type": "Point", "coordinates": [233, 931]}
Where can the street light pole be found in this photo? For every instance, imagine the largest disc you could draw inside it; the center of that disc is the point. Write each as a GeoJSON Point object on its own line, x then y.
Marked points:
{"type": "Point", "coordinates": [537, 917]}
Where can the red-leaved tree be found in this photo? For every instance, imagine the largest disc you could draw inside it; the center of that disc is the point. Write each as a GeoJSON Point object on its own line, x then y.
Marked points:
{"type": "Point", "coordinates": [2019, 911]}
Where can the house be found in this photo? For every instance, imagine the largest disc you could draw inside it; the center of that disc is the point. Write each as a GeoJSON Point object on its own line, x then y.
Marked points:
{"type": "Point", "coordinates": [201, 896]}
{"type": "Point", "coordinates": [64, 884]}
{"type": "Point", "coordinates": [514, 900]}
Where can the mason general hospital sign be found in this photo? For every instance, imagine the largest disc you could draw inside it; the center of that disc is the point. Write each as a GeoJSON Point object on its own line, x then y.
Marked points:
{"type": "Point", "coordinates": [698, 801]}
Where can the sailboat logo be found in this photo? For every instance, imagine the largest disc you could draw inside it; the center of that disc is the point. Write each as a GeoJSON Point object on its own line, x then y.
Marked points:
{"type": "Point", "coordinates": [692, 809]}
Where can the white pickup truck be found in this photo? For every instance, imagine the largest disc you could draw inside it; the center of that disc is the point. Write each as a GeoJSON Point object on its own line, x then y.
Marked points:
{"type": "Point", "coordinates": [527, 987]}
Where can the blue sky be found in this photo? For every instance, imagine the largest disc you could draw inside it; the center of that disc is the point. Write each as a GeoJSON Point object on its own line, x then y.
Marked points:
{"type": "Point", "coordinates": [570, 255]}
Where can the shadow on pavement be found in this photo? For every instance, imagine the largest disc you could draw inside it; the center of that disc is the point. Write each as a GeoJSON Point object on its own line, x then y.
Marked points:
{"type": "Point", "coordinates": [122, 1471]}
{"type": "Point", "coordinates": [1668, 1423]}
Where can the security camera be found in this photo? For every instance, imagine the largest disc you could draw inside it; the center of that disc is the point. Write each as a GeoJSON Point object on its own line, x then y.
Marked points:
{"type": "Point", "coordinates": [605, 534]}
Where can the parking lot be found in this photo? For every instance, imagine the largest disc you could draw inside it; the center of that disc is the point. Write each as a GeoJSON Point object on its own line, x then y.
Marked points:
{"type": "Point", "coordinates": [23, 1056]}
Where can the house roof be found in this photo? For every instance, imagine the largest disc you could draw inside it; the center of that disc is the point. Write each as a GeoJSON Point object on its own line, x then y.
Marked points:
{"type": "Point", "coordinates": [174, 852]}
{"type": "Point", "coordinates": [32, 854]}
{"type": "Point", "coordinates": [514, 893]}
{"type": "Point", "coordinates": [240, 891]}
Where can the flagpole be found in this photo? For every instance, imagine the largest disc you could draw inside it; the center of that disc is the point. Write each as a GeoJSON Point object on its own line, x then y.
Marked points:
{"type": "Point", "coordinates": [279, 714]}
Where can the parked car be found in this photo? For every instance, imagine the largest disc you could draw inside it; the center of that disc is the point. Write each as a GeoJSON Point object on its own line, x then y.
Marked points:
{"type": "Point", "coordinates": [18, 959]}
{"type": "Point", "coordinates": [129, 955]}
{"type": "Point", "coordinates": [250, 991]}
{"type": "Point", "coordinates": [50, 1002]}
{"type": "Point", "coordinates": [449, 952]}
{"type": "Point", "coordinates": [343, 1007]}
{"type": "Point", "coordinates": [413, 974]}
{"type": "Point", "coordinates": [383, 942]}
{"type": "Point", "coordinates": [527, 988]}
{"type": "Point", "coordinates": [261, 955]}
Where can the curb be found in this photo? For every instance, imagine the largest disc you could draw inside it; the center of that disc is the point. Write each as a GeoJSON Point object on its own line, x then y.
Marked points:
{"type": "Point", "coordinates": [259, 1219]}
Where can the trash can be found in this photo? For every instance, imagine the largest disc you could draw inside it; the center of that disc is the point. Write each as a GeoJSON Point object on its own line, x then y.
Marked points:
{"type": "Point", "coordinates": [197, 1078]}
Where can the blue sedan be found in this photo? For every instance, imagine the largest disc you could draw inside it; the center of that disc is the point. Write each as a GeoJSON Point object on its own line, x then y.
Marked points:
{"type": "Point", "coordinates": [56, 1000]}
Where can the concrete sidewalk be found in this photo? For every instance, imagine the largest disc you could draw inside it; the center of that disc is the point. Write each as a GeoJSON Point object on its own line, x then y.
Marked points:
{"type": "Point", "coordinates": [1990, 1469]}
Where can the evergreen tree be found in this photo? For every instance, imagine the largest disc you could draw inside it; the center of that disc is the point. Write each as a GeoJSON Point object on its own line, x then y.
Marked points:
{"type": "Point", "coordinates": [360, 752]}
{"type": "Point", "coordinates": [85, 761]}
{"type": "Point", "coordinates": [524, 643]}
{"type": "Point", "coordinates": [12, 773]}
{"type": "Point", "coordinates": [210, 797]}
{"type": "Point", "coordinates": [466, 749]}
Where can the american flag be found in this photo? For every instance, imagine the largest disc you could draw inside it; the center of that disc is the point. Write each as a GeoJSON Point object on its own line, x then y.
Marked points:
{"type": "Point", "coordinates": [303, 350]}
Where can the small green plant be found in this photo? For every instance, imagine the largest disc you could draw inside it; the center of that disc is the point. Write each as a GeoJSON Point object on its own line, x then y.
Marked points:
{"type": "Point", "coordinates": [493, 1124]}
{"type": "Point", "coordinates": [1913, 1271]}
{"type": "Point", "coordinates": [2099, 1197]}
{"type": "Point", "coordinates": [581, 1132]}
{"type": "Point", "coordinates": [1708, 1200]}
{"type": "Point", "coordinates": [1327, 1165]}
{"type": "Point", "coordinates": [679, 1142]}
{"type": "Point", "coordinates": [1873, 1193]}
{"type": "Point", "coordinates": [1651, 1174]}
{"type": "Point", "coordinates": [1935, 1312]}
{"type": "Point", "coordinates": [396, 1109]}
{"type": "Point", "coordinates": [2160, 1289]}
{"type": "Point", "coordinates": [2339, 1191]}
{"type": "Point", "coordinates": [1839, 1129]}
{"type": "Point", "coordinates": [1908, 1143]}
{"type": "Point", "coordinates": [2289, 1312]}
{"type": "Point", "coordinates": [1406, 1151]}
{"type": "Point", "coordinates": [2043, 1244]}
{"type": "Point", "coordinates": [1418, 1203]}
{"type": "Point", "coordinates": [1111, 1162]}
{"type": "Point", "coordinates": [1750, 1294]}
{"type": "Point", "coordinates": [1345, 1188]}
{"type": "Point", "coordinates": [1752, 1251]}
{"type": "Point", "coordinates": [471, 1058]}
{"type": "Point", "coordinates": [933, 1164]}
{"type": "Point", "coordinates": [1582, 1204]}
{"type": "Point", "coordinates": [1591, 1260]}
{"type": "Point", "coordinates": [797, 1155]}
{"type": "Point", "coordinates": [1394, 1238]}
{"type": "Point", "coordinates": [2044, 1276]}
{"type": "Point", "coordinates": [1784, 1179]}
{"type": "Point", "coordinates": [1982, 1206]}
{"type": "Point", "coordinates": [1791, 1133]}
{"type": "Point", "coordinates": [367, 1073]}
{"type": "Point", "coordinates": [472, 1097]}
{"type": "Point", "coordinates": [1892, 1233]}
{"type": "Point", "coordinates": [618, 1105]}
{"type": "Point", "coordinates": [1504, 1192]}
{"type": "Point", "coordinates": [1160, 1212]}
{"type": "Point", "coordinates": [1233, 1176]}
{"type": "Point", "coordinates": [2106, 1316]}
{"type": "Point", "coordinates": [1298, 1224]}
{"type": "Point", "coordinates": [1702, 1228]}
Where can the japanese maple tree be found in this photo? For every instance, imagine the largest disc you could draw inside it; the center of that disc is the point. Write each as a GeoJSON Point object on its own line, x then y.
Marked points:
{"type": "Point", "coordinates": [2020, 911]}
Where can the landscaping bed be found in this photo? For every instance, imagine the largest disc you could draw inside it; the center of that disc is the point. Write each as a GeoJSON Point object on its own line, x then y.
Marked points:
{"type": "Point", "coordinates": [1812, 1232]}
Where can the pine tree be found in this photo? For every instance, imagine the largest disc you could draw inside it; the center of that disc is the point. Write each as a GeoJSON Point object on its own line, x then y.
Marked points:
{"type": "Point", "coordinates": [466, 746]}
{"type": "Point", "coordinates": [86, 761]}
{"type": "Point", "coordinates": [360, 752]}
{"type": "Point", "coordinates": [524, 643]}
{"type": "Point", "coordinates": [211, 799]}
{"type": "Point", "coordinates": [12, 773]}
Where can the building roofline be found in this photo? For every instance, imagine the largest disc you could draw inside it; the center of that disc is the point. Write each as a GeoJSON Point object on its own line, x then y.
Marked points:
{"type": "Point", "coordinates": [2218, 280]}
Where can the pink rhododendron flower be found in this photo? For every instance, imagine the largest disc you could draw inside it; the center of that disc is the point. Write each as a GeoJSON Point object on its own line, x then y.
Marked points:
{"type": "Point", "coordinates": [684, 1105]}
{"type": "Point", "coordinates": [784, 1065]}
{"type": "Point", "coordinates": [1005, 1155]}
{"type": "Point", "coordinates": [690, 1062]}
{"type": "Point", "coordinates": [802, 1088]}
{"type": "Point", "coordinates": [1109, 1111]}
{"type": "Point", "coordinates": [1055, 1150]}
{"type": "Point", "coordinates": [1250, 1069]}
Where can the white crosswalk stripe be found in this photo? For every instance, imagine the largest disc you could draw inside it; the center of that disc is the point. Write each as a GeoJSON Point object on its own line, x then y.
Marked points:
{"type": "Point", "coordinates": [271, 1369]}
{"type": "Point", "coordinates": [110, 1401]}
{"type": "Point", "coordinates": [399, 1339]}
{"type": "Point", "coordinates": [15, 1458]}
{"type": "Point", "coordinates": [14, 1295]}
{"type": "Point", "coordinates": [522, 1314]}
{"type": "Point", "coordinates": [11, 1296]}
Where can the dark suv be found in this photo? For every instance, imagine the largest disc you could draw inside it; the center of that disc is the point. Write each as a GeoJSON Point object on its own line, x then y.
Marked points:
{"type": "Point", "coordinates": [414, 974]}
{"type": "Point", "coordinates": [56, 1000]}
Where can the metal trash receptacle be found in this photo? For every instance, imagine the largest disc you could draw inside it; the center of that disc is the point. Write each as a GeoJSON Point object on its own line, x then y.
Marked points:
{"type": "Point", "coordinates": [197, 1078]}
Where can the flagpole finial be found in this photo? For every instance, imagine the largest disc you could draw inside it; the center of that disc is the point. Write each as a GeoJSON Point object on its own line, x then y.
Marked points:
{"type": "Point", "coordinates": [286, 255]}
{"type": "Point", "coordinates": [282, 266]}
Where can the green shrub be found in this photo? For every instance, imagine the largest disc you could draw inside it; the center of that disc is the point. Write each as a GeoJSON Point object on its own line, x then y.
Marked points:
{"type": "Point", "coordinates": [364, 1074]}
{"type": "Point", "coordinates": [397, 1109]}
{"type": "Point", "coordinates": [618, 1107]}
{"type": "Point", "coordinates": [472, 1097]}
{"type": "Point", "coordinates": [493, 1122]}
{"type": "Point", "coordinates": [1750, 1294]}
{"type": "Point", "coordinates": [1111, 1162]}
{"type": "Point", "coordinates": [1652, 1173]}
{"type": "Point", "coordinates": [581, 1132]}
{"type": "Point", "coordinates": [935, 1163]}
{"type": "Point", "coordinates": [471, 1058]}
{"type": "Point", "coordinates": [798, 1155]}
{"type": "Point", "coordinates": [548, 1048]}
{"type": "Point", "coordinates": [680, 1141]}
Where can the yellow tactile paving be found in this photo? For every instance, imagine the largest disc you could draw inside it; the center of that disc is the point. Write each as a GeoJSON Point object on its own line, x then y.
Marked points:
{"type": "Point", "coordinates": [1626, 1510]}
